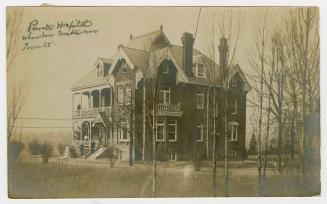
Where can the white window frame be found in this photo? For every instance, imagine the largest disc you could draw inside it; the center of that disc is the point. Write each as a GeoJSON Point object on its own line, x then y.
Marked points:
{"type": "Point", "coordinates": [120, 96]}
{"type": "Point", "coordinates": [235, 107]}
{"type": "Point", "coordinates": [197, 73]}
{"type": "Point", "coordinates": [160, 123]}
{"type": "Point", "coordinates": [233, 153]}
{"type": "Point", "coordinates": [99, 70]}
{"type": "Point", "coordinates": [171, 157]}
{"type": "Point", "coordinates": [199, 106]}
{"type": "Point", "coordinates": [196, 139]}
{"type": "Point", "coordinates": [124, 126]}
{"type": "Point", "coordinates": [172, 123]}
{"type": "Point", "coordinates": [128, 96]}
{"type": "Point", "coordinates": [124, 67]}
{"type": "Point", "coordinates": [165, 69]}
{"type": "Point", "coordinates": [234, 129]}
{"type": "Point", "coordinates": [165, 93]}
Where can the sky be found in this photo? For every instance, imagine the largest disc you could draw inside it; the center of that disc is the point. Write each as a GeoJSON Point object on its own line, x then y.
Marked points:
{"type": "Point", "coordinates": [51, 72]}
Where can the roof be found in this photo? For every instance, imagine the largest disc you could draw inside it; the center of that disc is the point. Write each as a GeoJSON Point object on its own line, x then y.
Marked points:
{"type": "Point", "coordinates": [138, 53]}
{"type": "Point", "coordinates": [90, 79]}
{"type": "Point", "coordinates": [105, 60]}
{"type": "Point", "coordinates": [138, 57]}
{"type": "Point", "coordinates": [143, 42]}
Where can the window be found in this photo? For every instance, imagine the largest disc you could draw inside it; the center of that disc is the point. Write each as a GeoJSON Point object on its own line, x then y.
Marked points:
{"type": "Point", "coordinates": [128, 96]}
{"type": "Point", "coordinates": [120, 96]}
{"type": "Point", "coordinates": [234, 82]}
{"type": "Point", "coordinates": [234, 131]}
{"type": "Point", "coordinates": [234, 108]}
{"type": "Point", "coordinates": [200, 101]}
{"type": "Point", "coordinates": [194, 68]}
{"type": "Point", "coordinates": [160, 130]}
{"type": "Point", "coordinates": [172, 130]}
{"type": "Point", "coordinates": [165, 69]}
{"type": "Point", "coordinates": [172, 156]}
{"type": "Point", "coordinates": [200, 71]}
{"type": "Point", "coordinates": [164, 96]}
{"type": "Point", "coordinates": [124, 132]}
{"type": "Point", "coordinates": [199, 133]}
{"type": "Point", "coordinates": [124, 67]}
{"type": "Point", "coordinates": [233, 153]}
{"type": "Point", "coordinates": [99, 70]}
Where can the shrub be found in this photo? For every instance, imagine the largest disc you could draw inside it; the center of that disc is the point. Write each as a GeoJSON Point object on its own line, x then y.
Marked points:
{"type": "Point", "coordinates": [61, 149]}
{"type": "Point", "coordinates": [72, 152]}
{"type": "Point", "coordinates": [46, 152]}
{"type": "Point", "coordinates": [14, 150]}
{"type": "Point", "coordinates": [34, 147]}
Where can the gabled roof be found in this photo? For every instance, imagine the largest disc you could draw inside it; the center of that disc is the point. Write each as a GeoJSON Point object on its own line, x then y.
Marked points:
{"type": "Point", "coordinates": [144, 42]}
{"type": "Point", "coordinates": [137, 53]}
{"type": "Point", "coordinates": [236, 69]}
{"type": "Point", "coordinates": [138, 58]}
{"type": "Point", "coordinates": [90, 79]}
{"type": "Point", "coordinates": [104, 60]}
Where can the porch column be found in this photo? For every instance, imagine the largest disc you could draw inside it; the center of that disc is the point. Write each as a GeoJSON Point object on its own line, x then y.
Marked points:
{"type": "Point", "coordinates": [90, 130]}
{"type": "Point", "coordinates": [91, 99]}
{"type": "Point", "coordinates": [81, 100]}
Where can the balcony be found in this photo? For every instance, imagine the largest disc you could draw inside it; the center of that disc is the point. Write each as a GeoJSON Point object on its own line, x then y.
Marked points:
{"type": "Point", "coordinates": [86, 143]}
{"type": "Point", "coordinates": [169, 110]}
{"type": "Point", "coordinates": [91, 113]}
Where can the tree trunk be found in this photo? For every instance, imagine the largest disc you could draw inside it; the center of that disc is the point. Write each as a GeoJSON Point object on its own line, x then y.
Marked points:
{"type": "Point", "coordinates": [226, 140]}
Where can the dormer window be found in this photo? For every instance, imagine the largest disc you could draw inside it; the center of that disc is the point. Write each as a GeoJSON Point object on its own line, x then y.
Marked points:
{"type": "Point", "coordinates": [199, 70]}
{"type": "Point", "coordinates": [165, 69]}
{"type": "Point", "coordinates": [124, 67]}
{"type": "Point", "coordinates": [99, 70]}
{"type": "Point", "coordinates": [234, 107]}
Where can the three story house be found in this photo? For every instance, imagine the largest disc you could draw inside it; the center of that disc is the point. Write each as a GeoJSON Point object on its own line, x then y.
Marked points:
{"type": "Point", "coordinates": [154, 97]}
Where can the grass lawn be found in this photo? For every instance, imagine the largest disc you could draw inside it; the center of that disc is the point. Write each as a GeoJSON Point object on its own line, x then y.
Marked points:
{"type": "Point", "coordinates": [77, 179]}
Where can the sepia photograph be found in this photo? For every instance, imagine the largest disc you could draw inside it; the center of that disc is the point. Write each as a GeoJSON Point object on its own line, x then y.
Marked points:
{"type": "Point", "coordinates": [162, 102]}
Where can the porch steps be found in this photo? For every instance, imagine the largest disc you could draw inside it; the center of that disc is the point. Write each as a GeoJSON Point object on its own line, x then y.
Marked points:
{"type": "Point", "coordinates": [97, 153]}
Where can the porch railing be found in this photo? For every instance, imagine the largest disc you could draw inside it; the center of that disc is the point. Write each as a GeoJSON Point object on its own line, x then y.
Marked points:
{"type": "Point", "coordinates": [91, 113]}
{"type": "Point", "coordinates": [85, 142]}
{"type": "Point", "coordinates": [169, 107]}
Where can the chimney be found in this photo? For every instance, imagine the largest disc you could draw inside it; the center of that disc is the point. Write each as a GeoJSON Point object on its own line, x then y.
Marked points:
{"type": "Point", "coordinates": [130, 36]}
{"type": "Point", "coordinates": [188, 41]}
{"type": "Point", "coordinates": [161, 28]}
{"type": "Point", "coordinates": [223, 50]}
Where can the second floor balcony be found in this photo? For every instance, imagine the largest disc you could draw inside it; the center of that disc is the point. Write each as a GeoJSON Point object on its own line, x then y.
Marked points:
{"type": "Point", "coordinates": [91, 113]}
{"type": "Point", "coordinates": [169, 110]}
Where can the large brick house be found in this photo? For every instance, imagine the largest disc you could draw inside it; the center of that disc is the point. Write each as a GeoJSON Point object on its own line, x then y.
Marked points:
{"type": "Point", "coordinates": [152, 83]}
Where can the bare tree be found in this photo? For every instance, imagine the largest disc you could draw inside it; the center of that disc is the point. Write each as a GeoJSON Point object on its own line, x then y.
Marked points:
{"type": "Point", "coordinates": [303, 51]}
{"type": "Point", "coordinates": [258, 63]}
{"type": "Point", "coordinates": [231, 33]}
{"type": "Point", "coordinates": [17, 89]}
{"type": "Point", "coordinates": [13, 26]}
{"type": "Point", "coordinates": [16, 101]}
{"type": "Point", "coordinates": [151, 88]}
